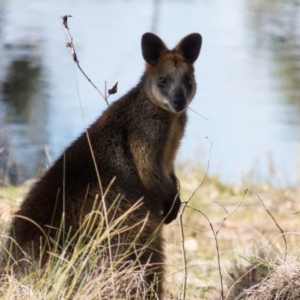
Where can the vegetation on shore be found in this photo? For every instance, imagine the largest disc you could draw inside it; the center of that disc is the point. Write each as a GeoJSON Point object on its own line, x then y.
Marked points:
{"type": "Point", "coordinates": [240, 242]}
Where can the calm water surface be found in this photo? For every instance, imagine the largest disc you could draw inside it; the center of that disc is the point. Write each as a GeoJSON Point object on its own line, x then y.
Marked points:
{"type": "Point", "coordinates": [248, 77]}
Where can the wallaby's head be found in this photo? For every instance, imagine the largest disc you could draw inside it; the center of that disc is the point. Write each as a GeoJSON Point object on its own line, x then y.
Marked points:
{"type": "Point", "coordinates": [169, 78]}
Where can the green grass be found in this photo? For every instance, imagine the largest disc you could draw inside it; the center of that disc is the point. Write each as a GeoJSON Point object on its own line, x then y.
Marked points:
{"type": "Point", "coordinates": [248, 238]}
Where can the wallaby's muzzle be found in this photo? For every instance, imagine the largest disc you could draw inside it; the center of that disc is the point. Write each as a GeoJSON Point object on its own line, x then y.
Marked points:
{"type": "Point", "coordinates": [178, 102]}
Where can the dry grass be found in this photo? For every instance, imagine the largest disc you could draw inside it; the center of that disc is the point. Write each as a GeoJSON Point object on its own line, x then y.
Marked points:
{"type": "Point", "coordinates": [82, 267]}
{"type": "Point", "coordinates": [251, 249]}
{"type": "Point", "coordinates": [283, 282]}
{"type": "Point", "coordinates": [247, 236]}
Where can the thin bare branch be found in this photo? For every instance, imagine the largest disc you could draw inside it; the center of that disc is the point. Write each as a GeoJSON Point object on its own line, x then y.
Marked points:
{"type": "Point", "coordinates": [198, 114]}
{"type": "Point", "coordinates": [222, 206]}
{"type": "Point", "coordinates": [184, 205]}
{"type": "Point", "coordinates": [203, 178]}
{"type": "Point", "coordinates": [234, 210]}
{"type": "Point", "coordinates": [70, 44]}
{"type": "Point", "coordinates": [215, 234]}
{"type": "Point", "coordinates": [282, 232]}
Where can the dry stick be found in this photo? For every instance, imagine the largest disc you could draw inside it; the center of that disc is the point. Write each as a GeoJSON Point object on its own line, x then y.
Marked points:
{"type": "Point", "coordinates": [71, 45]}
{"type": "Point", "coordinates": [103, 201]}
{"type": "Point", "coordinates": [181, 226]}
{"type": "Point", "coordinates": [101, 191]}
{"type": "Point", "coordinates": [282, 232]}
{"type": "Point", "coordinates": [198, 114]}
{"type": "Point", "coordinates": [222, 206]}
{"type": "Point", "coordinates": [217, 246]}
{"type": "Point", "coordinates": [105, 98]}
{"type": "Point", "coordinates": [89, 142]}
{"type": "Point", "coordinates": [215, 233]}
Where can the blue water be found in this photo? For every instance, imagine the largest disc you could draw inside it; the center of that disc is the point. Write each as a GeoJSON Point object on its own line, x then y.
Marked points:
{"type": "Point", "coordinates": [252, 127]}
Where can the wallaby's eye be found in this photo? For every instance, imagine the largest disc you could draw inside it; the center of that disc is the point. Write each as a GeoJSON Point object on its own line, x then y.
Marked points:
{"type": "Point", "coordinates": [188, 80]}
{"type": "Point", "coordinates": [162, 81]}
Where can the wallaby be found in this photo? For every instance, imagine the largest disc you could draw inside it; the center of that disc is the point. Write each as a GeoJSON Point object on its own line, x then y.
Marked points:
{"type": "Point", "coordinates": [125, 159]}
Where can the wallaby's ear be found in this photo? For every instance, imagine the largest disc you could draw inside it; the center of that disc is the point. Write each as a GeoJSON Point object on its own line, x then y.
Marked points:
{"type": "Point", "coordinates": [190, 47]}
{"type": "Point", "coordinates": [152, 48]}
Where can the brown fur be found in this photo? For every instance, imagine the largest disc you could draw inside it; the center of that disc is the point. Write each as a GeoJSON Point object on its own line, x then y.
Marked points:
{"type": "Point", "coordinates": [134, 141]}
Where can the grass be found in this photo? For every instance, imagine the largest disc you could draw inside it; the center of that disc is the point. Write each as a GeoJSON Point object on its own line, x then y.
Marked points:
{"type": "Point", "coordinates": [250, 232]}
{"type": "Point", "coordinates": [253, 256]}
{"type": "Point", "coordinates": [82, 267]}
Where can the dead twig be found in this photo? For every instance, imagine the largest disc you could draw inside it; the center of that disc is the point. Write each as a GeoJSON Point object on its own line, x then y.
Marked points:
{"type": "Point", "coordinates": [70, 44]}
{"type": "Point", "coordinates": [215, 234]}
{"type": "Point", "coordinates": [282, 232]}
{"type": "Point", "coordinates": [198, 114]}
{"type": "Point", "coordinates": [184, 205]}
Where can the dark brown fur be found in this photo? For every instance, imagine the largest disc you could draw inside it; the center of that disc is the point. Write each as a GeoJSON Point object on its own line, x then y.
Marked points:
{"type": "Point", "coordinates": [134, 141]}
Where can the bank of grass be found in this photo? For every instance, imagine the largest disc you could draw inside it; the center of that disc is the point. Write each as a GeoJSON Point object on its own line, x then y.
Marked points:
{"type": "Point", "coordinates": [250, 247]}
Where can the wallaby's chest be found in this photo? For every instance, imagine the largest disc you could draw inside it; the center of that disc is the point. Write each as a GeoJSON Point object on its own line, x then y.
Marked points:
{"type": "Point", "coordinates": [172, 142]}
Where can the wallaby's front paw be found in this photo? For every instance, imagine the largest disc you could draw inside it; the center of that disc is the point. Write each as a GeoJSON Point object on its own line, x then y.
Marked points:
{"type": "Point", "coordinates": [171, 211]}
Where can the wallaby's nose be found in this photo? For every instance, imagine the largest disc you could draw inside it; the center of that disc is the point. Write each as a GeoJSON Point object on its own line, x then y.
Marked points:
{"type": "Point", "coordinates": [178, 102]}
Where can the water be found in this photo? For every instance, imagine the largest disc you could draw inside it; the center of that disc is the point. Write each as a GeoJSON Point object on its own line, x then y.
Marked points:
{"type": "Point", "coordinates": [247, 74]}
